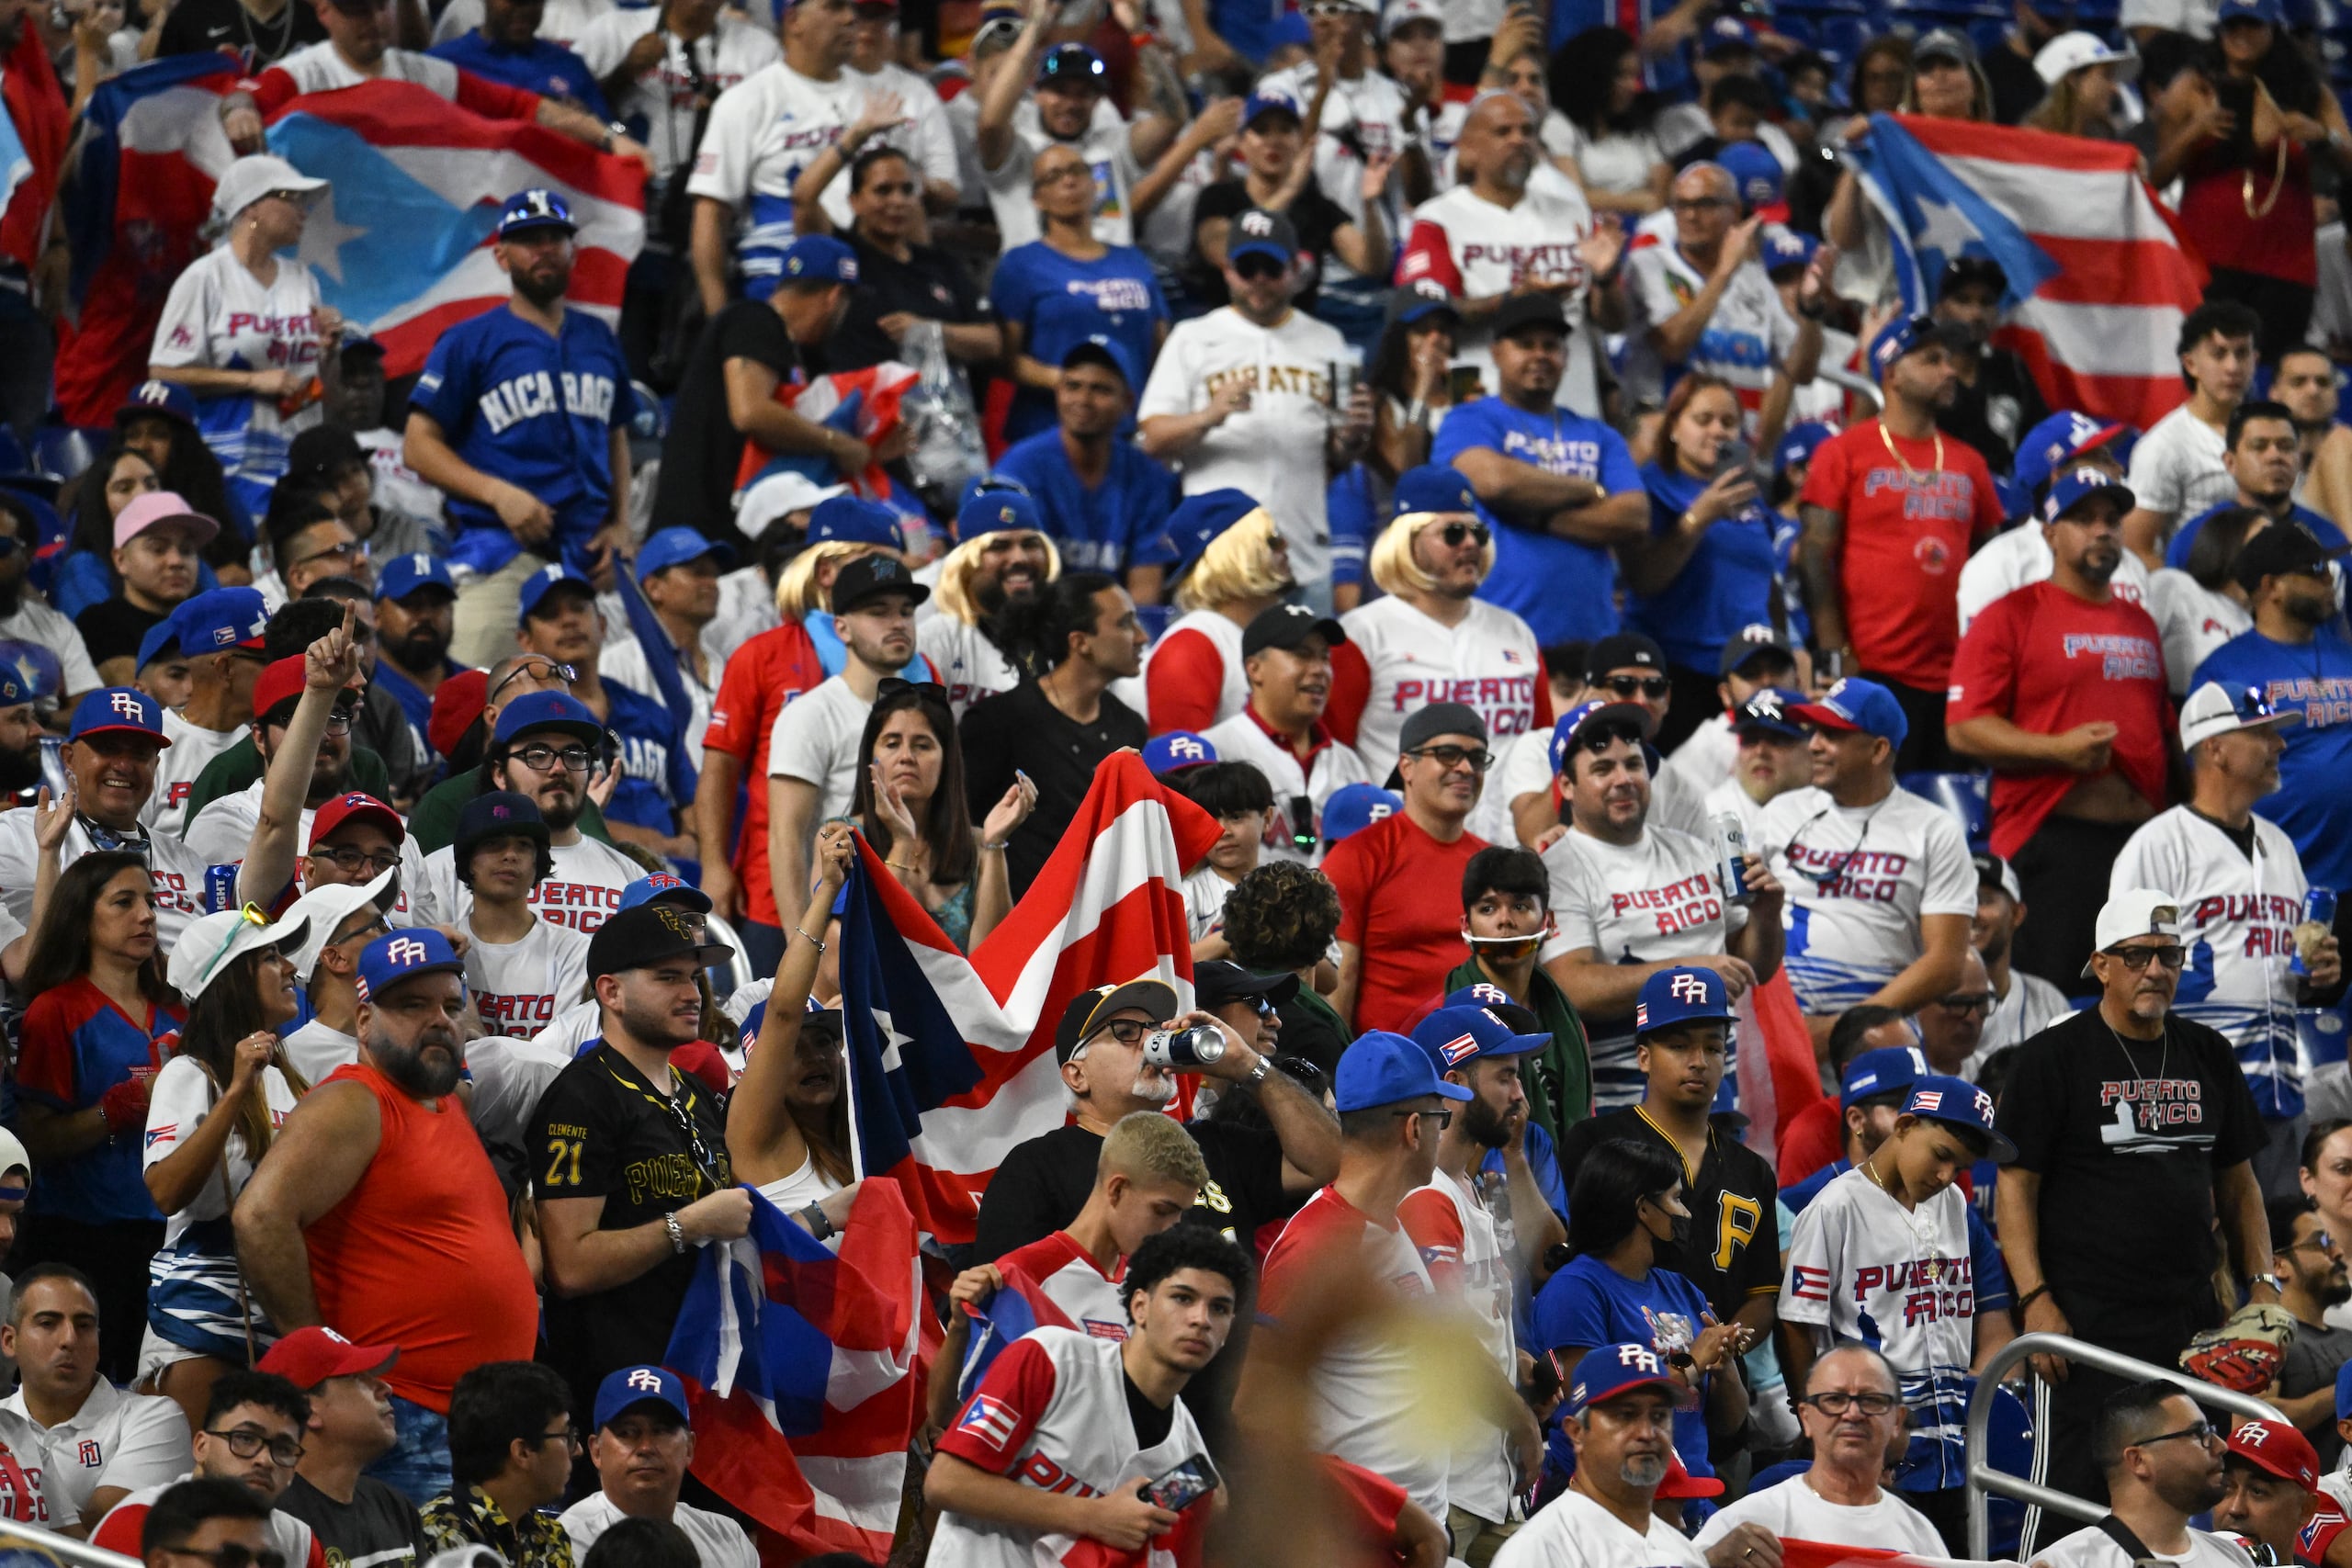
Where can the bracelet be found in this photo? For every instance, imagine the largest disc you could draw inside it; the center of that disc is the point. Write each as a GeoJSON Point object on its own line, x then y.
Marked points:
{"type": "Point", "coordinates": [810, 941]}
{"type": "Point", "coordinates": [677, 1232]}
{"type": "Point", "coordinates": [2033, 1295]}
{"type": "Point", "coordinates": [819, 1226]}
{"type": "Point", "coordinates": [1259, 1074]}
{"type": "Point", "coordinates": [995, 849]}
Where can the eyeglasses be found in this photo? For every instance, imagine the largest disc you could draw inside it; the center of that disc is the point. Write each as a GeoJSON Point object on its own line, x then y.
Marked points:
{"type": "Point", "coordinates": [1837, 1402]}
{"type": "Point", "coordinates": [1444, 1118]}
{"type": "Point", "coordinates": [1452, 756]}
{"type": "Point", "coordinates": [247, 1442]}
{"type": "Point", "coordinates": [358, 861]}
{"type": "Point", "coordinates": [2201, 1434]}
{"type": "Point", "coordinates": [1126, 1030]}
{"type": "Point", "coordinates": [233, 1555]}
{"type": "Point", "coordinates": [570, 1437]}
{"type": "Point", "coordinates": [1456, 534]}
{"type": "Point", "coordinates": [2318, 1241]}
{"type": "Point", "coordinates": [1652, 686]}
{"type": "Point", "coordinates": [1257, 268]}
{"type": "Point", "coordinates": [1699, 203]}
{"type": "Point", "coordinates": [2171, 956]}
{"type": "Point", "coordinates": [542, 759]}
{"type": "Point", "coordinates": [339, 720]}
{"type": "Point", "coordinates": [252, 915]}
{"type": "Point", "coordinates": [543, 670]}
{"type": "Point", "coordinates": [1979, 1002]}
{"type": "Point", "coordinates": [1066, 171]}
{"type": "Point", "coordinates": [349, 551]}
{"type": "Point", "coordinates": [374, 927]}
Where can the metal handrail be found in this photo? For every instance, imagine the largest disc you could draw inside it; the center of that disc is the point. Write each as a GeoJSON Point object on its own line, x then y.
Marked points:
{"type": "Point", "coordinates": [17, 1542]}
{"type": "Point", "coordinates": [1983, 1479]}
{"type": "Point", "coordinates": [1860, 385]}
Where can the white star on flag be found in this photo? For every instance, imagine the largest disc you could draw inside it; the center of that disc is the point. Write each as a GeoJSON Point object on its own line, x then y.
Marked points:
{"type": "Point", "coordinates": [324, 238]}
{"type": "Point", "coordinates": [1944, 228]}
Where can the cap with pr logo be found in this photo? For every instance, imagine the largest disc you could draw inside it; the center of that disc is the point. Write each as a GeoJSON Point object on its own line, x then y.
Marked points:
{"type": "Point", "coordinates": [1681, 995]}
{"type": "Point", "coordinates": [400, 955]}
{"type": "Point", "coordinates": [1176, 750]}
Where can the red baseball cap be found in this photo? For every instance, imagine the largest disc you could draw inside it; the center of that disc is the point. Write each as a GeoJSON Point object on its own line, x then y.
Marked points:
{"type": "Point", "coordinates": [2276, 1447]}
{"type": "Point", "coordinates": [1680, 1483]}
{"type": "Point", "coordinates": [308, 1357]}
{"type": "Point", "coordinates": [357, 804]}
{"type": "Point", "coordinates": [457, 703]}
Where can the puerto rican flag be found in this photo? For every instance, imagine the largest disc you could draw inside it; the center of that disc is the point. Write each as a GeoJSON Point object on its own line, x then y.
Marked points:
{"type": "Point", "coordinates": [804, 1371]}
{"type": "Point", "coordinates": [1778, 1077]}
{"type": "Point", "coordinates": [1020, 1307]}
{"type": "Point", "coordinates": [951, 1058]}
{"type": "Point", "coordinates": [2098, 278]}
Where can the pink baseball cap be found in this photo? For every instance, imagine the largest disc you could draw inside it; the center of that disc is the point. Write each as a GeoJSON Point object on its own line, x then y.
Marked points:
{"type": "Point", "coordinates": [161, 506]}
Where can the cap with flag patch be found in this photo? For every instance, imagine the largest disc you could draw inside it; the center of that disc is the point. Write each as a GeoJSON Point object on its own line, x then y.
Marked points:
{"type": "Point", "coordinates": [1801, 443]}
{"type": "Point", "coordinates": [1456, 1037]}
{"type": "Point", "coordinates": [222, 619]}
{"type": "Point", "coordinates": [1909, 336]}
{"type": "Point", "coordinates": [630, 1387]}
{"type": "Point", "coordinates": [537, 208]}
{"type": "Point", "coordinates": [1382, 1068]}
{"type": "Point", "coordinates": [1685, 994]}
{"type": "Point", "coordinates": [1570, 732]}
{"type": "Point", "coordinates": [997, 511]}
{"type": "Point", "coordinates": [1756, 175]}
{"type": "Point", "coordinates": [411, 573]}
{"type": "Point", "coordinates": [350, 805]}
{"type": "Point", "coordinates": [1957, 1103]}
{"type": "Point", "coordinates": [2063, 434]}
{"type": "Point", "coordinates": [1176, 750]}
{"type": "Point", "coordinates": [818, 258]}
{"type": "Point", "coordinates": [399, 956]}
{"type": "Point", "coordinates": [1607, 1370]}
{"type": "Point", "coordinates": [2077, 486]}
{"type": "Point", "coordinates": [2278, 1449]}
{"type": "Point", "coordinates": [1853, 705]}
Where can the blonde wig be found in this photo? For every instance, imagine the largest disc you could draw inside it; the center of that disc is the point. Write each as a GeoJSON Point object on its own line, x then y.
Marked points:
{"type": "Point", "coordinates": [1393, 566]}
{"type": "Point", "coordinates": [796, 591]}
{"type": "Point", "coordinates": [1238, 564]}
{"type": "Point", "coordinates": [962, 564]}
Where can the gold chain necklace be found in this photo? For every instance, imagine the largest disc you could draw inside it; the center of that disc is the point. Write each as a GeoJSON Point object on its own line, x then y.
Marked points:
{"type": "Point", "coordinates": [1920, 1239]}
{"type": "Point", "coordinates": [1910, 474]}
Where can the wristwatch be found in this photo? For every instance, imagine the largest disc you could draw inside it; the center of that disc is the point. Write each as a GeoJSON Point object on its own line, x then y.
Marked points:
{"type": "Point", "coordinates": [1259, 1074]}
{"type": "Point", "coordinates": [2269, 1280]}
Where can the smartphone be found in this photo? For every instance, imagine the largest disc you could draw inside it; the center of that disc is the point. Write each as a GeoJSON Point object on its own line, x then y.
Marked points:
{"type": "Point", "coordinates": [1464, 382]}
{"type": "Point", "coordinates": [1187, 1483]}
{"type": "Point", "coordinates": [1736, 458]}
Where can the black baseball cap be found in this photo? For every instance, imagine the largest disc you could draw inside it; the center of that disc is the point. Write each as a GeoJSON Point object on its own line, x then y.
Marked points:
{"type": "Point", "coordinates": [1524, 310]}
{"type": "Point", "coordinates": [870, 577]}
{"type": "Point", "coordinates": [1753, 642]}
{"type": "Point", "coordinates": [648, 935]}
{"type": "Point", "coordinates": [2279, 550]}
{"type": "Point", "coordinates": [497, 814]}
{"type": "Point", "coordinates": [1622, 650]}
{"type": "Point", "coordinates": [1441, 718]}
{"type": "Point", "coordinates": [1288, 625]}
{"type": "Point", "coordinates": [1218, 981]}
{"type": "Point", "coordinates": [1088, 1009]}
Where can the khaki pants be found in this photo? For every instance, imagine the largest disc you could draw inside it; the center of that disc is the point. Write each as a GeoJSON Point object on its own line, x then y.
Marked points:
{"type": "Point", "coordinates": [1476, 1540]}
{"type": "Point", "coordinates": [486, 610]}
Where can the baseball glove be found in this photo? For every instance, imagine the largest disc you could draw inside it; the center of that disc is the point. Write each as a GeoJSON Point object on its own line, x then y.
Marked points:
{"type": "Point", "coordinates": [2244, 1353]}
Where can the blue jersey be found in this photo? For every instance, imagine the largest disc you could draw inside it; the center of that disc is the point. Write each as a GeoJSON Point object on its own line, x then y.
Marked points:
{"type": "Point", "coordinates": [2315, 680]}
{"type": "Point", "coordinates": [647, 796]}
{"type": "Point", "coordinates": [538, 66]}
{"type": "Point", "coordinates": [77, 1044]}
{"type": "Point", "coordinates": [1110, 528]}
{"type": "Point", "coordinates": [416, 702]}
{"type": "Point", "coordinates": [2184, 538]}
{"type": "Point", "coordinates": [1564, 590]}
{"type": "Point", "coordinates": [1059, 303]}
{"type": "Point", "coordinates": [1588, 1304]}
{"type": "Point", "coordinates": [536, 411]}
{"type": "Point", "coordinates": [1728, 582]}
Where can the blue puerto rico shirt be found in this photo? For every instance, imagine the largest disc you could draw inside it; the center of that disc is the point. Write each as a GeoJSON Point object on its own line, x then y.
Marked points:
{"type": "Point", "coordinates": [1566, 591]}
{"type": "Point", "coordinates": [1059, 303]}
{"type": "Point", "coordinates": [75, 1044]}
{"type": "Point", "coordinates": [650, 760]}
{"type": "Point", "coordinates": [2312, 804]}
{"type": "Point", "coordinates": [547, 69]}
{"type": "Point", "coordinates": [1588, 1304]}
{"type": "Point", "coordinates": [536, 410]}
{"type": "Point", "coordinates": [1728, 582]}
{"type": "Point", "coordinates": [2183, 539]}
{"type": "Point", "coordinates": [1107, 529]}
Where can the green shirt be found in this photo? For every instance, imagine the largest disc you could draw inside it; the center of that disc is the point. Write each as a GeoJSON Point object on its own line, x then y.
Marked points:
{"type": "Point", "coordinates": [238, 767]}
{"type": "Point", "coordinates": [1561, 1095]}
{"type": "Point", "coordinates": [433, 823]}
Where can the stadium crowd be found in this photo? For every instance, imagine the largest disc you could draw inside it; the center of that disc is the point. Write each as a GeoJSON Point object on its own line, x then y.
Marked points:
{"type": "Point", "coordinates": [1726, 799]}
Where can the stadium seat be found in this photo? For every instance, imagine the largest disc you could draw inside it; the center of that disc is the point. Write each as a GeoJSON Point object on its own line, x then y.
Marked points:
{"type": "Point", "coordinates": [63, 450]}
{"type": "Point", "coordinates": [1968, 796]}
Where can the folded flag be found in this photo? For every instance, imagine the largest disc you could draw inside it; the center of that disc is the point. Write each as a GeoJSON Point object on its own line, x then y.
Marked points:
{"type": "Point", "coordinates": [1777, 1078]}
{"type": "Point", "coordinates": [1020, 1307]}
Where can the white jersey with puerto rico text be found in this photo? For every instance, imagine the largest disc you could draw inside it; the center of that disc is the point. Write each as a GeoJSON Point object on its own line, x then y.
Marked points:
{"type": "Point", "coordinates": [764, 133]}
{"type": "Point", "coordinates": [219, 316]}
{"type": "Point", "coordinates": [970, 666]}
{"type": "Point", "coordinates": [1859, 879]}
{"type": "Point", "coordinates": [1477, 250]}
{"type": "Point", "coordinates": [583, 892]}
{"type": "Point", "coordinates": [519, 986]}
{"type": "Point", "coordinates": [1490, 663]}
{"type": "Point", "coordinates": [2237, 920]}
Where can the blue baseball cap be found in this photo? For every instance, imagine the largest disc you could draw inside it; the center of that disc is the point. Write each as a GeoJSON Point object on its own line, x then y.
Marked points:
{"type": "Point", "coordinates": [1799, 443]}
{"type": "Point", "coordinates": [1600, 711]}
{"type": "Point", "coordinates": [222, 619]}
{"type": "Point", "coordinates": [675, 547]}
{"type": "Point", "coordinates": [1956, 1102]}
{"type": "Point", "coordinates": [1684, 994]}
{"type": "Point", "coordinates": [1769, 710]}
{"type": "Point", "coordinates": [1262, 233]}
{"type": "Point", "coordinates": [1074, 64]}
{"type": "Point", "coordinates": [161, 641]}
{"type": "Point", "coordinates": [848, 520]}
{"type": "Point", "coordinates": [1724, 34]}
{"type": "Point", "coordinates": [544, 581]}
{"type": "Point", "coordinates": [1108, 353]}
{"type": "Point", "coordinates": [1176, 750]}
{"type": "Point", "coordinates": [124, 709]}
{"type": "Point", "coordinates": [1909, 336]}
{"type": "Point", "coordinates": [1456, 1037]}
{"type": "Point", "coordinates": [1433, 487]}
{"type": "Point", "coordinates": [662, 884]}
{"type": "Point", "coordinates": [547, 710]}
{"type": "Point", "coordinates": [1891, 1069]}
{"type": "Point", "coordinates": [1786, 247]}
{"type": "Point", "coordinates": [166, 398]}
{"type": "Point", "coordinates": [400, 955]}
{"type": "Point", "coordinates": [1382, 1068]}
{"type": "Point", "coordinates": [537, 208]}
{"type": "Point", "coordinates": [403, 575]}
{"type": "Point", "coordinates": [1198, 520]}
{"type": "Point", "coordinates": [1607, 1370]}
{"type": "Point", "coordinates": [1273, 102]}
{"type": "Point", "coordinates": [639, 1385]}
{"type": "Point", "coordinates": [1856, 705]}
{"type": "Point", "coordinates": [2066, 433]}
{"type": "Point", "coordinates": [15, 690]}
{"type": "Point", "coordinates": [986, 511]}
{"type": "Point", "coordinates": [818, 257]}
{"type": "Point", "coordinates": [2270, 13]}
{"type": "Point", "coordinates": [2074, 486]}
{"type": "Point", "coordinates": [1756, 176]}
{"type": "Point", "coordinates": [1353, 807]}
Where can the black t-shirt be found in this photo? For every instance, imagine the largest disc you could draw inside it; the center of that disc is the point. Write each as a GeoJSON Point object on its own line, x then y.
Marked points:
{"type": "Point", "coordinates": [696, 486]}
{"type": "Point", "coordinates": [1315, 216]}
{"type": "Point", "coordinates": [2127, 1136]}
{"type": "Point", "coordinates": [1732, 1247]}
{"type": "Point", "coordinates": [2018, 88]}
{"type": "Point", "coordinates": [113, 628]}
{"type": "Point", "coordinates": [378, 1528]}
{"type": "Point", "coordinates": [933, 285]}
{"type": "Point", "coordinates": [1021, 730]}
{"type": "Point", "coordinates": [1993, 412]}
{"type": "Point", "coordinates": [615, 1137]}
{"type": "Point", "coordinates": [196, 27]}
{"type": "Point", "coordinates": [1044, 1183]}
{"type": "Point", "coordinates": [1152, 1422]}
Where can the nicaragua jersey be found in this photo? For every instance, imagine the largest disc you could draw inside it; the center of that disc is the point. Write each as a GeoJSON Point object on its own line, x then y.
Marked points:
{"type": "Point", "coordinates": [1490, 661]}
{"type": "Point", "coordinates": [1637, 903]}
{"type": "Point", "coordinates": [177, 765]}
{"type": "Point", "coordinates": [583, 892]}
{"type": "Point", "coordinates": [1467, 1248]}
{"type": "Point", "coordinates": [2237, 920]}
{"type": "Point", "coordinates": [1476, 250]}
{"type": "Point", "coordinates": [219, 316]}
{"type": "Point", "coordinates": [1242, 738]}
{"type": "Point", "coordinates": [1859, 879]}
{"type": "Point", "coordinates": [764, 133]}
{"type": "Point", "coordinates": [518, 987]}
{"type": "Point", "coordinates": [1060, 1269]}
{"type": "Point", "coordinates": [1861, 1268]}
{"type": "Point", "coordinates": [1052, 1414]}
{"type": "Point", "coordinates": [969, 665]}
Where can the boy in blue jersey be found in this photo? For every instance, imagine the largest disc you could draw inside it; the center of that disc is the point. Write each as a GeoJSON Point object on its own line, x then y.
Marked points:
{"type": "Point", "coordinates": [1100, 499]}
{"type": "Point", "coordinates": [521, 417]}
{"type": "Point", "coordinates": [415, 597]}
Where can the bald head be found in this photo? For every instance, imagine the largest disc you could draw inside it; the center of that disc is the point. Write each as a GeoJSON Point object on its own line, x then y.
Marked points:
{"type": "Point", "coordinates": [1702, 180]}
{"type": "Point", "coordinates": [1498, 142]}
{"type": "Point", "coordinates": [1848, 1362]}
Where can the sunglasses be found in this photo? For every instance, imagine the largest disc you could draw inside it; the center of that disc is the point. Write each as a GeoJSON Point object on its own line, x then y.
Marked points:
{"type": "Point", "coordinates": [542, 669]}
{"type": "Point", "coordinates": [252, 916]}
{"type": "Point", "coordinates": [1456, 534]}
{"type": "Point", "coordinates": [2171, 956]}
{"type": "Point", "coordinates": [1257, 268]}
{"type": "Point", "coordinates": [1648, 686]}
{"type": "Point", "coordinates": [1979, 1002]}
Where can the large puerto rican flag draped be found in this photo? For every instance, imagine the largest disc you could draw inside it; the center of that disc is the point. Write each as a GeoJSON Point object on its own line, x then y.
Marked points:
{"type": "Point", "coordinates": [2098, 278]}
{"type": "Point", "coordinates": [400, 243]}
{"type": "Point", "coordinates": [951, 1058]}
{"type": "Point", "coordinates": [803, 1372]}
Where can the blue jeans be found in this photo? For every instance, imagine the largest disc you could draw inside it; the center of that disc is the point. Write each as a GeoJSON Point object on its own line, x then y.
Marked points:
{"type": "Point", "coordinates": [417, 1465]}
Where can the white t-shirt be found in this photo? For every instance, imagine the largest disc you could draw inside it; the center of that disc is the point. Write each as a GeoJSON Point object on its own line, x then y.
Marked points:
{"type": "Point", "coordinates": [764, 133]}
{"type": "Point", "coordinates": [2032, 1005]}
{"type": "Point", "coordinates": [316, 1049]}
{"type": "Point", "coordinates": [1490, 249]}
{"type": "Point", "coordinates": [517, 987]}
{"type": "Point", "coordinates": [1242, 740]}
{"type": "Point", "coordinates": [219, 316]}
{"type": "Point", "coordinates": [192, 748]}
{"type": "Point", "coordinates": [1727, 797]}
{"type": "Point", "coordinates": [1749, 333]}
{"type": "Point", "coordinates": [223, 831]}
{"type": "Point", "coordinates": [1573, 1529]}
{"type": "Point", "coordinates": [1795, 1509]}
{"type": "Point", "coordinates": [2176, 468]}
{"type": "Point", "coordinates": [564, 23]}
{"type": "Point", "coordinates": [2019, 559]}
{"type": "Point", "coordinates": [1489, 661]}
{"type": "Point", "coordinates": [180, 1098]}
{"type": "Point", "coordinates": [1369, 113]}
{"type": "Point", "coordinates": [1859, 879]}
{"type": "Point", "coordinates": [815, 741]}
{"type": "Point", "coordinates": [924, 136]}
{"type": "Point", "coordinates": [1273, 449]}
{"type": "Point", "coordinates": [1677, 801]}
{"type": "Point", "coordinates": [508, 1077]}
{"type": "Point", "coordinates": [582, 892]}
{"type": "Point", "coordinates": [1108, 152]}
{"type": "Point", "coordinates": [1477, 1277]}
{"type": "Point", "coordinates": [718, 1540]}
{"type": "Point", "coordinates": [1708, 757]}
{"type": "Point", "coordinates": [177, 874]}
{"type": "Point", "coordinates": [2194, 620]}
{"type": "Point", "coordinates": [1655, 898]}
{"type": "Point", "coordinates": [663, 95]}
{"type": "Point", "coordinates": [2094, 1548]}
{"type": "Point", "coordinates": [970, 666]}
{"type": "Point", "coordinates": [128, 1440]}
{"type": "Point", "coordinates": [798, 1188]}
{"type": "Point", "coordinates": [1522, 766]}
{"type": "Point", "coordinates": [35, 622]}
{"type": "Point", "coordinates": [1619, 162]}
